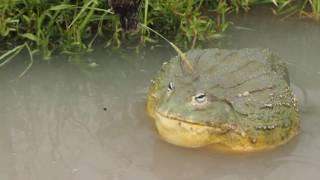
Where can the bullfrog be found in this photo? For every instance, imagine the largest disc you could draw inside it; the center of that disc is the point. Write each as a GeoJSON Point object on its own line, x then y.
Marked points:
{"type": "Point", "coordinates": [237, 100]}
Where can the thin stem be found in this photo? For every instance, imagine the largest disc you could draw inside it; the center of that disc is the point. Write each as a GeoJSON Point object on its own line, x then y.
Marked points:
{"type": "Point", "coordinates": [31, 61]}
{"type": "Point", "coordinates": [10, 54]}
{"type": "Point", "coordinates": [180, 53]}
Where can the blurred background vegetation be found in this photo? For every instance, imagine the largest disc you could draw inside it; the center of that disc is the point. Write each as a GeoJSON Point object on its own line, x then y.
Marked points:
{"type": "Point", "coordinates": [76, 26]}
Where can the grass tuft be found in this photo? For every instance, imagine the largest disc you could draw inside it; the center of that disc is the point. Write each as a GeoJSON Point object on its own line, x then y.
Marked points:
{"type": "Point", "coordinates": [75, 26]}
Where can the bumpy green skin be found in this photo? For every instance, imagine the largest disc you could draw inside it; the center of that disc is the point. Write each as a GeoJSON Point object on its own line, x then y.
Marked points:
{"type": "Point", "coordinates": [247, 91]}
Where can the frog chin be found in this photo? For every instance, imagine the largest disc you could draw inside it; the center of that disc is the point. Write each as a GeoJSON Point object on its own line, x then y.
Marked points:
{"type": "Point", "coordinates": [185, 134]}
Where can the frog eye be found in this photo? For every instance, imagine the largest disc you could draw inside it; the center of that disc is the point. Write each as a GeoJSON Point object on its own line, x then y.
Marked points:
{"type": "Point", "coordinates": [200, 98]}
{"type": "Point", "coordinates": [170, 86]}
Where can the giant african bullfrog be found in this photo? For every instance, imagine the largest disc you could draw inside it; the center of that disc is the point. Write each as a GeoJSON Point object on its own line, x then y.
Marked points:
{"type": "Point", "coordinates": [239, 100]}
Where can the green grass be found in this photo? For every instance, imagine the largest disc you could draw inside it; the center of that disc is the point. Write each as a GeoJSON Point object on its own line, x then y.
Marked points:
{"type": "Point", "coordinates": [75, 26]}
{"type": "Point", "coordinates": [48, 27]}
{"type": "Point", "coordinates": [315, 8]}
{"type": "Point", "coordinates": [10, 54]}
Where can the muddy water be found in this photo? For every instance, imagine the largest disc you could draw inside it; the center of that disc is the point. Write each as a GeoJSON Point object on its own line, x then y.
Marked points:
{"type": "Point", "coordinates": [73, 122]}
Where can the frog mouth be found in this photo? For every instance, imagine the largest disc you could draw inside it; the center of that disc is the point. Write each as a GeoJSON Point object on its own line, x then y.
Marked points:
{"type": "Point", "coordinates": [177, 118]}
{"type": "Point", "coordinates": [225, 137]}
{"type": "Point", "coordinates": [217, 128]}
{"type": "Point", "coordinates": [189, 134]}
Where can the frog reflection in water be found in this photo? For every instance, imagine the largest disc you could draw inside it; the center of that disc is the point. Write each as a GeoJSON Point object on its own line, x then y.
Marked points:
{"type": "Point", "coordinates": [238, 100]}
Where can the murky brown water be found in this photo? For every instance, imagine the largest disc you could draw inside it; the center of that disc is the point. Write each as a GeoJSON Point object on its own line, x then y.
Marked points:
{"type": "Point", "coordinates": [54, 125]}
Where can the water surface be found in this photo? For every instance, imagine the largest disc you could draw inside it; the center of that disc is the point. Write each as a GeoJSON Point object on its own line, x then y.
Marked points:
{"type": "Point", "coordinates": [72, 122]}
